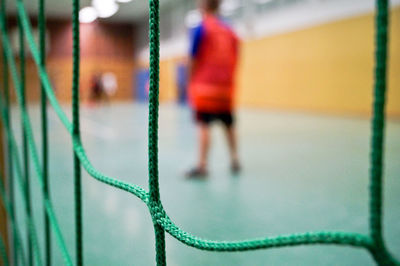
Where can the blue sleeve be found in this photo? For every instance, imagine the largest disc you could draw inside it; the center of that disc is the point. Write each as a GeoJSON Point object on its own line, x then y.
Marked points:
{"type": "Point", "coordinates": [196, 38]}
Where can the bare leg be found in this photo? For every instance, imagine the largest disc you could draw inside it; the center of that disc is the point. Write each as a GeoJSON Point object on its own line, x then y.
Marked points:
{"type": "Point", "coordinates": [232, 143]}
{"type": "Point", "coordinates": [204, 137]}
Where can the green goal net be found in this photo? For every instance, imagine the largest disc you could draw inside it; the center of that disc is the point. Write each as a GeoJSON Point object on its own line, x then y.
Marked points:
{"type": "Point", "coordinates": [18, 162]}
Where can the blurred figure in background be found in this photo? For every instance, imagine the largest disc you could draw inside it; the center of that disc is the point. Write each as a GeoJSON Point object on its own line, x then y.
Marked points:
{"type": "Point", "coordinates": [110, 84]}
{"type": "Point", "coordinates": [97, 90]}
{"type": "Point", "coordinates": [213, 58]}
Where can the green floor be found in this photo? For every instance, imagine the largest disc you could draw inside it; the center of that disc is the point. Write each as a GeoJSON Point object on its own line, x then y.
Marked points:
{"type": "Point", "coordinates": [301, 173]}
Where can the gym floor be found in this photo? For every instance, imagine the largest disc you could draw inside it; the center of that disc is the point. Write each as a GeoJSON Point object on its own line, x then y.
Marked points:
{"type": "Point", "coordinates": [301, 172]}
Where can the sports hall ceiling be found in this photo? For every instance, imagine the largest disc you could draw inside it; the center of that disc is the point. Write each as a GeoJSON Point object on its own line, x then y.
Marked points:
{"type": "Point", "coordinates": [131, 11]}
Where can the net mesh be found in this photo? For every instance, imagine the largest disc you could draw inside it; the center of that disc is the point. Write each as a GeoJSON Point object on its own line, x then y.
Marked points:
{"type": "Point", "coordinates": [373, 242]}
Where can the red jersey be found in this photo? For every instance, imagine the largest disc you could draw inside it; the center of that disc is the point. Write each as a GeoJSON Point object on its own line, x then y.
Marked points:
{"type": "Point", "coordinates": [211, 88]}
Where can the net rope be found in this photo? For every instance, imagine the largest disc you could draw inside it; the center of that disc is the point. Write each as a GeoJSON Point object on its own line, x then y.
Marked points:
{"type": "Point", "coordinates": [373, 242]}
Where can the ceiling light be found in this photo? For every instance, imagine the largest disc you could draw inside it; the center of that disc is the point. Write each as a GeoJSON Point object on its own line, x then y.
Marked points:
{"type": "Point", "coordinates": [87, 15]}
{"type": "Point", "coordinates": [105, 8]}
{"type": "Point", "coordinates": [124, 1]}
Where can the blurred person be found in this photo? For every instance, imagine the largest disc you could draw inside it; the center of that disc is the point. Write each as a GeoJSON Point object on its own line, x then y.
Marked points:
{"type": "Point", "coordinates": [109, 83]}
{"type": "Point", "coordinates": [97, 92]}
{"type": "Point", "coordinates": [213, 58]}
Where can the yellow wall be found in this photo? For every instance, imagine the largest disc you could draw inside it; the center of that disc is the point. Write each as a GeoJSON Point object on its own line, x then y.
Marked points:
{"type": "Point", "coordinates": [168, 87]}
{"type": "Point", "coordinates": [326, 68]}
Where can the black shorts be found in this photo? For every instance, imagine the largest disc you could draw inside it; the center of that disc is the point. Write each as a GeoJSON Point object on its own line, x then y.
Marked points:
{"type": "Point", "coordinates": [206, 118]}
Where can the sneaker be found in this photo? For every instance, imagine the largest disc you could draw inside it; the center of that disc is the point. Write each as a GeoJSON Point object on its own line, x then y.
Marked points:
{"type": "Point", "coordinates": [196, 173]}
{"type": "Point", "coordinates": [235, 168]}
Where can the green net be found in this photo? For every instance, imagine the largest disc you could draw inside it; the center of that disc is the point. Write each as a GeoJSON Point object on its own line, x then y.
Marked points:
{"type": "Point", "coordinates": [373, 242]}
